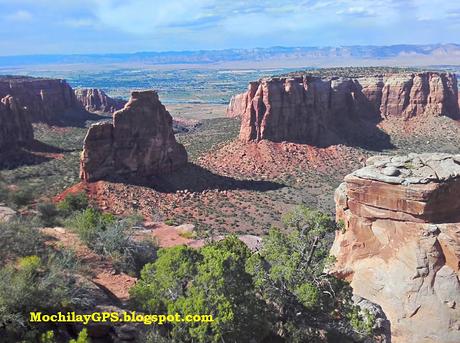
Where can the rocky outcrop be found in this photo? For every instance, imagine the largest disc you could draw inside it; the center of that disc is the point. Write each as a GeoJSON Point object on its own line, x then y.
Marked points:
{"type": "Point", "coordinates": [44, 100]}
{"type": "Point", "coordinates": [15, 128]}
{"type": "Point", "coordinates": [400, 242]}
{"type": "Point", "coordinates": [139, 142]}
{"type": "Point", "coordinates": [97, 101]}
{"type": "Point", "coordinates": [319, 111]}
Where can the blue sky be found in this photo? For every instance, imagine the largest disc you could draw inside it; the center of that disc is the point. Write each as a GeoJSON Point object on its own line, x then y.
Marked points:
{"type": "Point", "coordinates": [100, 26]}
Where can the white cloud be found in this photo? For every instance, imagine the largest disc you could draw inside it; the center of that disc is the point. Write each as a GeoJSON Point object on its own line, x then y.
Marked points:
{"type": "Point", "coordinates": [357, 11]}
{"type": "Point", "coordinates": [79, 22]}
{"type": "Point", "coordinates": [146, 16]}
{"type": "Point", "coordinates": [20, 15]}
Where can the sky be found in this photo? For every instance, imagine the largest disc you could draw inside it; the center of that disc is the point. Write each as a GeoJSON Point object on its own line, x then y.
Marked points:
{"type": "Point", "coordinates": [110, 26]}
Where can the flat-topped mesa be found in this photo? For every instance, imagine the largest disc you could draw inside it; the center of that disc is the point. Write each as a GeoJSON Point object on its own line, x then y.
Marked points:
{"type": "Point", "coordinates": [44, 99]}
{"type": "Point", "coordinates": [139, 142]}
{"type": "Point", "coordinates": [15, 128]}
{"type": "Point", "coordinates": [97, 101]}
{"type": "Point", "coordinates": [316, 110]}
{"type": "Point", "coordinates": [400, 242]}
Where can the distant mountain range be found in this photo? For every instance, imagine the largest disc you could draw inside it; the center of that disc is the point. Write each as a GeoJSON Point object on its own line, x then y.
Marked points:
{"type": "Point", "coordinates": [429, 52]}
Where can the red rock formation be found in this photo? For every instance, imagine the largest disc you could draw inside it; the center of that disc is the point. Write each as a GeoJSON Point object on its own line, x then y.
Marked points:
{"type": "Point", "coordinates": [15, 128]}
{"type": "Point", "coordinates": [140, 142]}
{"type": "Point", "coordinates": [400, 244]}
{"type": "Point", "coordinates": [96, 100]}
{"type": "Point", "coordinates": [44, 99]}
{"type": "Point", "coordinates": [321, 111]}
{"type": "Point", "coordinates": [239, 103]}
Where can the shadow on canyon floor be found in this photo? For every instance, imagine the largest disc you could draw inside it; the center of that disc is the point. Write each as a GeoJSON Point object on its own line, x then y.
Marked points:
{"type": "Point", "coordinates": [361, 134]}
{"type": "Point", "coordinates": [77, 118]}
{"type": "Point", "coordinates": [33, 153]}
{"type": "Point", "coordinates": [194, 178]}
{"type": "Point", "coordinates": [41, 147]}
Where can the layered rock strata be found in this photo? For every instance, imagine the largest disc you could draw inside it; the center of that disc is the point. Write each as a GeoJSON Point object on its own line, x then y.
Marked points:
{"type": "Point", "coordinates": [139, 142]}
{"type": "Point", "coordinates": [44, 100]}
{"type": "Point", "coordinates": [15, 128]}
{"type": "Point", "coordinates": [400, 242]}
{"type": "Point", "coordinates": [96, 100]}
{"type": "Point", "coordinates": [318, 110]}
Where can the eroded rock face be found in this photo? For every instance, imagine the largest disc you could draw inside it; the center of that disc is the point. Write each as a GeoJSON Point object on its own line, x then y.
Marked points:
{"type": "Point", "coordinates": [15, 128]}
{"type": "Point", "coordinates": [320, 111]}
{"type": "Point", "coordinates": [96, 100]}
{"type": "Point", "coordinates": [139, 142]}
{"type": "Point", "coordinates": [44, 99]}
{"type": "Point", "coordinates": [400, 245]}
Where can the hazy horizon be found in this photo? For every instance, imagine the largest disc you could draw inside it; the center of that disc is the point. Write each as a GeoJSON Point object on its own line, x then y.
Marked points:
{"type": "Point", "coordinates": [137, 52]}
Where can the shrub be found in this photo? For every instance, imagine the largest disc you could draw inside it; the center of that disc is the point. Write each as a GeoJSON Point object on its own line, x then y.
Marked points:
{"type": "Point", "coordinates": [21, 197]}
{"type": "Point", "coordinates": [82, 337]}
{"type": "Point", "coordinates": [18, 238]}
{"type": "Point", "coordinates": [4, 192]}
{"type": "Point", "coordinates": [48, 213]}
{"type": "Point", "coordinates": [35, 284]}
{"type": "Point", "coordinates": [73, 203]}
{"type": "Point", "coordinates": [47, 337]}
{"type": "Point", "coordinates": [89, 223]}
{"type": "Point", "coordinates": [111, 237]}
{"type": "Point", "coordinates": [116, 242]}
{"type": "Point", "coordinates": [289, 275]}
{"type": "Point", "coordinates": [362, 321]}
{"type": "Point", "coordinates": [308, 295]}
{"type": "Point", "coordinates": [211, 280]}
{"type": "Point", "coordinates": [170, 222]}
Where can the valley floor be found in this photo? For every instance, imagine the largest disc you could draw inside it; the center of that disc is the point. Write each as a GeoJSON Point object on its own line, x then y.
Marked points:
{"type": "Point", "coordinates": [227, 186]}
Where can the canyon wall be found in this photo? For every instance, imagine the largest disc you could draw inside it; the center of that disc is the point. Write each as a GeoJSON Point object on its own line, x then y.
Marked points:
{"type": "Point", "coordinates": [15, 127]}
{"type": "Point", "coordinates": [139, 142]}
{"type": "Point", "coordinates": [96, 100]}
{"type": "Point", "coordinates": [314, 110]}
{"type": "Point", "coordinates": [400, 242]}
{"type": "Point", "coordinates": [43, 99]}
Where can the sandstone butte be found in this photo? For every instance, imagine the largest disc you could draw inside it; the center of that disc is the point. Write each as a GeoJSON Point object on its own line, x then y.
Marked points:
{"type": "Point", "coordinates": [43, 99]}
{"type": "Point", "coordinates": [139, 142]}
{"type": "Point", "coordinates": [319, 111]}
{"type": "Point", "coordinates": [15, 127]}
{"type": "Point", "coordinates": [96, 100]}
{"type": "Point", "coordinates": [400, 242]}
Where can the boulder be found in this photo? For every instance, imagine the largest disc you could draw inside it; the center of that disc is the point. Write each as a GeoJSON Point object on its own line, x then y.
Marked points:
{"type": "Point", "coordinates": [400, 243]}
{"type": "Point", "coordinates": [139, 142]}
{"type": "Point", "coordinates": [6, 214]}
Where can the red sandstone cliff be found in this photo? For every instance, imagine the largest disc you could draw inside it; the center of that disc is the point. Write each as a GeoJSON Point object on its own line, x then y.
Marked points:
{"type": "Point", "coordinates": [15, 128]}
{"type": "Point", "coordinates": [400, 244]}
{"type": "Point", "coordinates": [320, 111]}
{"type": "Point", "coordinates": [139, 142]}
{"type": "Point", "coordinates": [96, 100]}
{"type": "Point", "coordinates": [43, 99]}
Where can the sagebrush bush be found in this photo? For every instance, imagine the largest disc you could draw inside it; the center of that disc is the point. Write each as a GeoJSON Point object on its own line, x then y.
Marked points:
{"type": "Point", "coordinates": [4, 192]}
{"type": "Point", "coordinates": [127, 254]}
{"type": "Point", "coordinates": [33, 283]}
{"type": "Point", "coordinates": [89, 223]}
{"type": "Point", "coordinates": [21, 197]}
{"type": "Point", "coordinates": [112, 237]}
{"type": "Point", "coordinates": [73, 203]}
{"type": "Point", "coordinates": [19, 238]}
{"type": "Point", "coordinates": [48, 213]}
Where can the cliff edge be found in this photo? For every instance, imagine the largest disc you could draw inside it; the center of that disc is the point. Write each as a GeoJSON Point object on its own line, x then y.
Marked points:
{"type": "Point", "coordinates": [400, 242]}
{"type": "Point", "coordinates": [324, 111]}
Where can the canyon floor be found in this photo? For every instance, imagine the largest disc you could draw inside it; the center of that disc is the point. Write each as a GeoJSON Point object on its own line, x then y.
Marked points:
{"type": "Point", "coordinates": [227, 186]}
